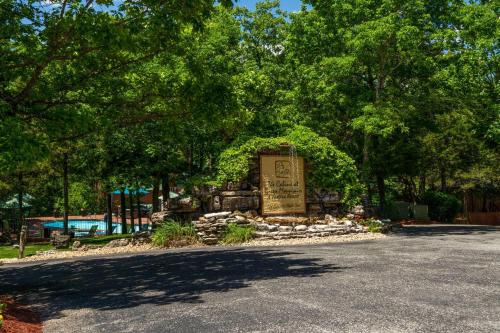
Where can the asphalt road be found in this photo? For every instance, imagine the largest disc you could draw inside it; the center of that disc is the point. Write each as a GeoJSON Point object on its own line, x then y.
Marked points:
{"type": "Point", "coordinates": [421, 280]}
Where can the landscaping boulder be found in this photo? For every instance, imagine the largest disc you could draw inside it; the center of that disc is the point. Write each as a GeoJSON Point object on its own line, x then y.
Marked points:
{"type": "Point", "coordinates": [301, 227]}
{"type": "Point", "coordinates": [358, 210]}
{"type": "Point", "coordinates": [219, 215]}
{"type": "Point", "coordinates": [118, 242]}
{"type": "Point", "coordinates": [160, 217]}
{"type": "Point", "coordinates": [76, 245]}
{"type": "Point", "coordinates": [286, 219]}
{"type": "Point", "coordinates": [329, 218]}
{"type": "Point", "coordinates": [87, 247]}
{"type": "Point", "coordinates": [141, 237]}
{"type": "Point", "coordinates": [60, 241]}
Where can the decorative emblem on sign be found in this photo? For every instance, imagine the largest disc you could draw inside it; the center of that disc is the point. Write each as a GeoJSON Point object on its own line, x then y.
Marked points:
{"type": "Point", "coordinates": [282, 169]}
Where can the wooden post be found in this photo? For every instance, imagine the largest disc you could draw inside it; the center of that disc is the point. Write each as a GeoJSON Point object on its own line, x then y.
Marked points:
{"type": "Point", "coordinates": [22, 233]}
{"type": "Point", "coordinates": [131, 204]}
{"type": "Point", "coordinates": [109, 202]}
{"type": "Point", "coordinates": [156, 191]}
{"type": "Point", "coordinates": [65, 192]}
{"type": "Point", "coordinates": [22, 241]}
{"type": "Point", "coordinates": [139, 210]}
{"type": "Point", "coordinates": [165, 192]}
{"type": "Point", "coordinates": [123, 212]}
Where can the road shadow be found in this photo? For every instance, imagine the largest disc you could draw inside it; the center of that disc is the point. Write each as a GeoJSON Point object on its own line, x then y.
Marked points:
{"type": "Point", "coordinates": [443, 230]}
{"type": "Point", "coordinates": [116, 283]}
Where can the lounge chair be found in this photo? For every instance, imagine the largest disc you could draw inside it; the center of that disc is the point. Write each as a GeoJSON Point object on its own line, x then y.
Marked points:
{"type": "Point", "coordinates": [93, 230]}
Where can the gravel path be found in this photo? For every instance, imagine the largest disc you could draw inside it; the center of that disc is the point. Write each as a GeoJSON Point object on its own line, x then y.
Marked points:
{"type": "Point", "coordinates": [48, 255]}
{"type": "Point", "coordinates": [105, 251]}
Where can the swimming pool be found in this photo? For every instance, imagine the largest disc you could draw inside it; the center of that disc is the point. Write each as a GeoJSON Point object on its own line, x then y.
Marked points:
{"type": "Point", "coordinates": [82, 227]}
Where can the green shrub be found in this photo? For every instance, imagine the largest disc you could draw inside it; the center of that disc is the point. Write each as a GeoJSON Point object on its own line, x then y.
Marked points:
{"type": "Point", "coordinates": [237, 234]}
{"type": "Point", "coordinates": [442, 206]}
{"type": "Point", "coordinates": [328, 167]}
{"type": "Point", "coordinates": [373, 225]}
{"type": "Point", "coordinates": [2, 308]}
{"type": "Point", "coordinates": [173, 233]}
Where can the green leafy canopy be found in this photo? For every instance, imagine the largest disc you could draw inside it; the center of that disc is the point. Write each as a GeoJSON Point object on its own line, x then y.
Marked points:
{"type": "Point", "coordinates": [328, 167]}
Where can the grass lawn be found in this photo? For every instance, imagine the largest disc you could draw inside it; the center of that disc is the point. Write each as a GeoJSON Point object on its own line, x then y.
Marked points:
{"type": "Point", "coordinates": [7, 251]}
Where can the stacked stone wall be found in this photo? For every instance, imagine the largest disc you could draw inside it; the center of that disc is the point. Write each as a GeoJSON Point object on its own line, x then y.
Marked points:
{"type": "Point", "coordinates": [212, 227]}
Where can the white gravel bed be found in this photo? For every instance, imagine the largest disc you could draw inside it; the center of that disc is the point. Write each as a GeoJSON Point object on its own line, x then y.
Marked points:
{"type": "Point", "coordinates": [148, 247]}
{"type": "Point", "coordinates": [91, 252]}
{"type": "Point", "coordinates": [316, 240]}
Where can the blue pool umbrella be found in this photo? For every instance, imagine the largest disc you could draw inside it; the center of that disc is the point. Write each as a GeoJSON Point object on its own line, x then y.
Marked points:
{"type": "Point", "coordinates": [141, 191]}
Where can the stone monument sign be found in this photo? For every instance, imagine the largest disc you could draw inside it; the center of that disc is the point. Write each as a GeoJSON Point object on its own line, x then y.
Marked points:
{"type": "Point", "coordinates": [282, 184]}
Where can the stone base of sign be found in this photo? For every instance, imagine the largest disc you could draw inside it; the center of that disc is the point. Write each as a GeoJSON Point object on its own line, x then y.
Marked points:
{"type": "Point", "coordinates": [239, 200]}
{"type": "Point", "coordinates": [212, 227]}
{"type": "Point", "coordinates": [246, 195]}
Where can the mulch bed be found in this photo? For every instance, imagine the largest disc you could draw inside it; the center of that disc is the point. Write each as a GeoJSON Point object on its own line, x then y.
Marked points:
{"type": "Point", "coordinates": [19, 318]}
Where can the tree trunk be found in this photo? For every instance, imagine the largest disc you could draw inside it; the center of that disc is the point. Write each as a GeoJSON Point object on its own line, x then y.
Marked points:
{"type": "Point", "coordinates": [442, 174]}
{"type": "Point", "coordinates": [381, 194]}
{"type": "Point", "coordinates": [369, 194]}
{"type": "Point", "coordinates": [131, 204]}
{"type": "Point", "coordinates": [65, 192]}
{"type": "Point", "coordinates": [123, 211]}
{"type": "Point", "coordinates": [156, 192]}
{"type": "Point", "coordinates": [413, 191]}
{"type": "Point", "coordinates": [421, 186]}
{"type": "Point", "coordinates": [165, 192]}
{"type": "Point", "coordinates": [109, 203]}
{"type": "Point", "coordinates": [466, 208]}
{"type": "Point", "coordinates": [22, 232]}
{"type": "Point", "coordinates": [22, 241]}
{"type": "Point", "coordinates": [139, 210]}
{"type": "Point", "coordinates": [485, 200]}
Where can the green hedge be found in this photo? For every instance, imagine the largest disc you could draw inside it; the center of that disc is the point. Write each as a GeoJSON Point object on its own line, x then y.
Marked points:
{"type": "Point", "coordinates": [442, 206]}
{"type": "Point", "coordinates": [330, 168]}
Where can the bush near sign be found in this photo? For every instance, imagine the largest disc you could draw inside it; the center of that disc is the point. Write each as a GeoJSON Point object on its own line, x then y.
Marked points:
{"type": "Point", "coordinates": [282, 184]}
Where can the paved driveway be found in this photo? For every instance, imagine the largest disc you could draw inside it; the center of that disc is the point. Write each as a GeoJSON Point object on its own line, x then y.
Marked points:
{"type": "Point", "coordinates": [422, 280]}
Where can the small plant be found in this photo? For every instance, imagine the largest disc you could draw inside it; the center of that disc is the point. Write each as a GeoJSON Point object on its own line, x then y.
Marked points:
{"type": "Point", "coordinates": [173, 233]}
{"type": "Point", "coordinates": [375, 228]}
{"type": "Point", "coordinates": [2, 309]}
{"type": "Point", "coordinates": [237, 234]}
{"type": "Point", "coordinates": [373, 225]}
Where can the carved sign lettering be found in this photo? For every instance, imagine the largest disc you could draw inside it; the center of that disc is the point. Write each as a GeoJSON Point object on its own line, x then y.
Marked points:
{"type": "Point", "coordinates": [282, 184]}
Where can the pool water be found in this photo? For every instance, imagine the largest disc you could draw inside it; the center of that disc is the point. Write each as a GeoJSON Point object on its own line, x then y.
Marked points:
{"type": "Point", "coordinates": [82, 227]}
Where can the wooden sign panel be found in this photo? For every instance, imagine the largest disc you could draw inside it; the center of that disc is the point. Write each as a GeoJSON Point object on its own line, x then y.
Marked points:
{"type": "Point", "coordinates": [282, 184]}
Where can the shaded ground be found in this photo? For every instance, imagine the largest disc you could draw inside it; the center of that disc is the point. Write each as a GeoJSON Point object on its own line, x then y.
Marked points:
{"type": "Point", "coordinates": [19, 319]}
{"type": "Point", "coordinates": [419, 280]}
